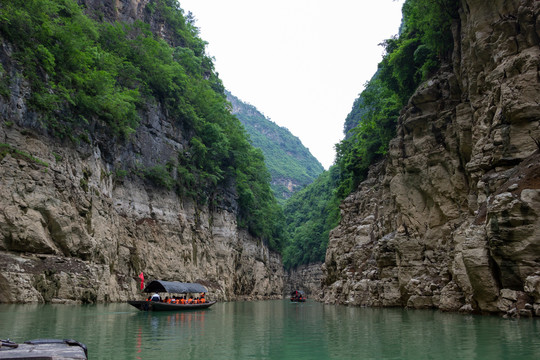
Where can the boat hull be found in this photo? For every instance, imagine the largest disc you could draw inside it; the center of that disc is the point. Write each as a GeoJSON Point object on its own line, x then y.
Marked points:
{"type": "Point", "coordinates": [144, 305]}
{"type": "Point", "coordinates": [44, 349]}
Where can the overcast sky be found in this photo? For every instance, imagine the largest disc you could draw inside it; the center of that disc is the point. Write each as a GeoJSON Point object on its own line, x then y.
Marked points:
{"type": "Point", "coordinates": [299, 62]}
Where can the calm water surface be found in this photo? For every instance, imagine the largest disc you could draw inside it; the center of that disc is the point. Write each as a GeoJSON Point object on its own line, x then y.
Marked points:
{"type": "Point", "coordinates": [274, 330]}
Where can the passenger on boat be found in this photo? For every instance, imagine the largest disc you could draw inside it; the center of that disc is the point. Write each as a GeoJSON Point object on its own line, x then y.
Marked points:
{"type": "Point", "coordinates": [156, 297]}
{"type": "Point", "coordinates": [190, 300]}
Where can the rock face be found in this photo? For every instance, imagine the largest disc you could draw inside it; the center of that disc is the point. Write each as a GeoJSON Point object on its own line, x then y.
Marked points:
{"type": "Point", "coordinates": [77, 225]}
{"type": "Point", "coordinates": [451, 219]}
{"type": "Point", "coordinates": [74, 230]}
{"type": "Point", "coordinates": [306, 278]}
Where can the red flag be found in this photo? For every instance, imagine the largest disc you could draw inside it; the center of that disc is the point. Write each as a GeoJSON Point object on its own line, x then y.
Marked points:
{"type": "Point", "coordinates": [141, 276]}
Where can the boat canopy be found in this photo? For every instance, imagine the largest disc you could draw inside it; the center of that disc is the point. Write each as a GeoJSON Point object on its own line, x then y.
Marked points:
{"type": "Point", "coordinates": [174, 287]}
{"type": "Point", "coordinates": [298, 293]}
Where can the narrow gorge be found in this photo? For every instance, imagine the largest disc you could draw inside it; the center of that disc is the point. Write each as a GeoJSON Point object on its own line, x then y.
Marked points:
{"type": "Point", "coordinates": [449, 220]}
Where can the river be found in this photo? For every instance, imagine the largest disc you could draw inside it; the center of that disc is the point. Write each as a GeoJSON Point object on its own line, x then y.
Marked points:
{"type": "Point", "coordinates": [275, 329]}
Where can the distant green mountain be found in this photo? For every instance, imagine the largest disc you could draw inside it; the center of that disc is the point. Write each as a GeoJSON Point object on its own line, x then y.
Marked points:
{"type": "Point", "coordinates": [290, 163]}
{"type": "Point", "coordinates": [310, 214]}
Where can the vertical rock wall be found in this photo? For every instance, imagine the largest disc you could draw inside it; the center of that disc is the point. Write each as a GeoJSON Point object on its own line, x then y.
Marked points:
{"type": "Point", "coordinates": [451, 219]}
{"type": "Point", "coordinates": [72, 229]}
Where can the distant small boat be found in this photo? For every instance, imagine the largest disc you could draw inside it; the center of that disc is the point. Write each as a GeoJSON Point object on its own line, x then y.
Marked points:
{"type": "Point", "coordinates": [172, 288]}
{"type": "Point", "coordinates": [298, 296]}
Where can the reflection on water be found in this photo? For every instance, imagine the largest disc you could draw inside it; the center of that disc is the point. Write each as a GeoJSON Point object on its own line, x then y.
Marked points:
{"type": "Point", "coordinates": [274, 330]}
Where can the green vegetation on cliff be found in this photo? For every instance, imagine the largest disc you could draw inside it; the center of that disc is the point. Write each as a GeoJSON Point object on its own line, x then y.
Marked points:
{"type": "Point", "coordinates": [88, 78]}
{"type": "Point", "coordinates": [424, 43]}
{"type": "Point", "coordinates": [290, 163]}
{"type": "Point", "coordinates": [310, 214]}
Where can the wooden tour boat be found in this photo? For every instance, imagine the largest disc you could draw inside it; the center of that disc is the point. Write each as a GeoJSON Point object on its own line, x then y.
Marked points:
{"type": "Point", "coordinates": [171, 288]}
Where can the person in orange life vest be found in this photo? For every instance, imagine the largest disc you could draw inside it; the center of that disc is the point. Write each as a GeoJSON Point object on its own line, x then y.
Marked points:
{"type": "Point", "coordinates": [190, 300]}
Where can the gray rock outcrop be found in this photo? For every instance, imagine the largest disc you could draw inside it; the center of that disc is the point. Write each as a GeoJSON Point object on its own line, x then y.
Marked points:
{"type": "Point", "coordinates": [451, 219]}
{"type": "Point", "coordinates": [72, 229]}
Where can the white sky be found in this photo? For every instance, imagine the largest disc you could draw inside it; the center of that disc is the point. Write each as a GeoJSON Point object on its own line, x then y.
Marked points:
{"type": "Point", "coordinates": [299, 62]}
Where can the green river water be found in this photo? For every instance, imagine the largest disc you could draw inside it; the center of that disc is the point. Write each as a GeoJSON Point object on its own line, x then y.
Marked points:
{"type": "Point", "coordinates": [274, 329]}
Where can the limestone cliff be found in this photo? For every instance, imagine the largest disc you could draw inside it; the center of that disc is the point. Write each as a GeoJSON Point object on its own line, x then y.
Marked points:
{"type": "Point", "coordinates": [72, 229]}
{"type": "Point", "coordinates": [78, 225]}
{"type": "Point", "coordinates": [451, 219]}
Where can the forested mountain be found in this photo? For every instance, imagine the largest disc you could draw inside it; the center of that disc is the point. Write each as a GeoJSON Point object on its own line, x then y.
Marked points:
{"type": "Point", "coordinates": [310, 214]}
{"type": "Point", "coordinates": [290, 163]}
{"type": "Point", "coordinates": [91, 79]}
